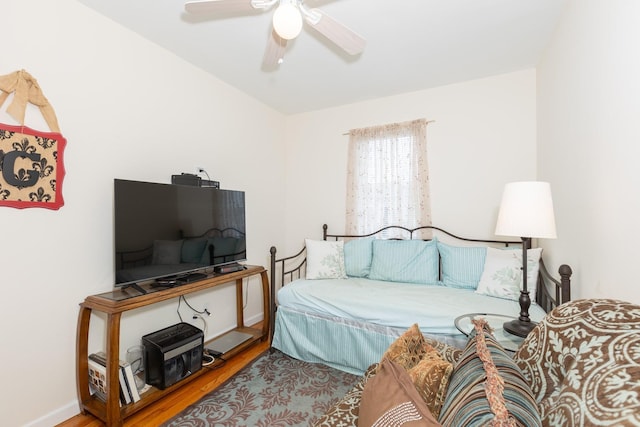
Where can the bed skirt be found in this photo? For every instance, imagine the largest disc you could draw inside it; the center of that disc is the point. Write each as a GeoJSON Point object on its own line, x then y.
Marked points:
{"type": "Point", "coordinates": [343, 344]}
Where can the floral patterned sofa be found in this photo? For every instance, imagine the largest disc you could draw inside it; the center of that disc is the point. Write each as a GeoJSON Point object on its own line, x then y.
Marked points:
{"type": "Point", "coordinates": [580, 366]}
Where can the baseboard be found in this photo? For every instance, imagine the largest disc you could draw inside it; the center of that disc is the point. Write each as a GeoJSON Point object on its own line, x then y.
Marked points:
{"type": "Point", "coordinates": [254, 319]}
{"type": "Point", "coordinates": [56, 417]}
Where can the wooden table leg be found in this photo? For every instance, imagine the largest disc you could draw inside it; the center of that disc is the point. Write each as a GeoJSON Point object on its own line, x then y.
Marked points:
{"type": "Point", "coordinates": [239, 304]}
{"type": "Point", "coordinates": [82, 350]}
{"type": "Point", "coordinates": [266, 305]}
{"type": "Point", "coordinates": [113, 366]}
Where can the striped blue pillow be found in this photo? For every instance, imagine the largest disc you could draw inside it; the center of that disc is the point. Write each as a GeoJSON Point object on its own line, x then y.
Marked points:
{"type": "Point", "coordinates": [357, 257]}
{"type": "Point", "coordinates": [408, 261]}
{"type": "Point", "coordinates": [462, 266]}
{"type": "Point", "coordinates": [466, 403]}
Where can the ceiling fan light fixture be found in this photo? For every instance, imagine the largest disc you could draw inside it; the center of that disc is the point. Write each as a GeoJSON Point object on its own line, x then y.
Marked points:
{"type": "Point", "coordinates": [287, 20]}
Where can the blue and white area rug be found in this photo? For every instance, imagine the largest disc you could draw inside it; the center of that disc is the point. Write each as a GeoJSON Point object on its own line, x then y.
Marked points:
{"type": "Point", "coordinates": [274, 390]}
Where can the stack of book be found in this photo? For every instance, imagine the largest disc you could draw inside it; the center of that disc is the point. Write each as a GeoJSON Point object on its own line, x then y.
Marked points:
{"type": "Point", "coordinates": [98, 379]}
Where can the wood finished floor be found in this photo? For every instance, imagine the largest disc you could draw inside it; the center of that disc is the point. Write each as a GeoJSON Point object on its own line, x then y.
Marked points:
{"type": "Point", "coordinates": [174, 403]}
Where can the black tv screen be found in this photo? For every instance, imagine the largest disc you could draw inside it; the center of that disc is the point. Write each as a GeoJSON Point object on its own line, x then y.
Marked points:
{"type": "Point", "coordinates": [167, 231]}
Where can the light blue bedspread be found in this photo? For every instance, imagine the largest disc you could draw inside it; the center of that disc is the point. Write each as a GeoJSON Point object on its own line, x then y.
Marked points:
{"type": "Point", "coordinates": [398, 305]}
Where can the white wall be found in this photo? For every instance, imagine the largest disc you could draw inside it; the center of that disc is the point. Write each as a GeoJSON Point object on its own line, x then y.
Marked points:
{"type": "Point", "coordinates": [128, 109]}
{"type": "Point", "coordinates": [483, 136]}
{"type": "Point", "coordinates": [589, 145]}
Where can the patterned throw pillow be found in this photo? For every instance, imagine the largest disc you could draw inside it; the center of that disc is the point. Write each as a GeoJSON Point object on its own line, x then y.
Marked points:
{"type": "Point", "coordinates": [447, 352]}
{"type": "Point", "coordinates": [583, 364]}
{"type": "Point", "coordinates": [502, 274]}
{"type": "Point", "coordinates": [325, 259]}
{"type": "Point", "coordinates": [391, 399]}
{"type": "Point", "coordinates": [431, 378]}
{"type": "Point", "coordinates": [413, 341]}
{"type": "Point", "coordinates": [487, 387]}
{"type": "Point", "coordinates": [408, 349]}
{"type": "Point", "coordinates": [427, 369]}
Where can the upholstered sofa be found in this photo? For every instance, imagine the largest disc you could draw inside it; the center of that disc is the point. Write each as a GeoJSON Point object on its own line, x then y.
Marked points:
{"type": "Point", "coordinates": [580, 366]}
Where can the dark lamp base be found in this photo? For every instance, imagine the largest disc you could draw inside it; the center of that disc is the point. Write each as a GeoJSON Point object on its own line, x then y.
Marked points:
{"type": "Point", "coordinates": [518, 327]}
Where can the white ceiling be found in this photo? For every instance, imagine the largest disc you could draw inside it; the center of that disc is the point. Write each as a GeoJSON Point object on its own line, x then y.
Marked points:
{"type": "Point", "coordinates": [411, 45]}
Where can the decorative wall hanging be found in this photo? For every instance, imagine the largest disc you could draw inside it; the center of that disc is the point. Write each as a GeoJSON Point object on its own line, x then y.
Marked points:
{"type": "Point", "coordinates": [31, 161]}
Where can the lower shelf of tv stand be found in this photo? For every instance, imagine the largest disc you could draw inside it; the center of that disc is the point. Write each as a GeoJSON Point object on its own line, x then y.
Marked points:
{"type": "Point", "coordinates": [98, 408]}
{"type": "Point", "coordinates": [110, 412]}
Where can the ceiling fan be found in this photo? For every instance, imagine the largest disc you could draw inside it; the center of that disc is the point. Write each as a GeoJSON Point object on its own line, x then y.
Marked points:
{"type": "Point", "coordinates": [287, 23]}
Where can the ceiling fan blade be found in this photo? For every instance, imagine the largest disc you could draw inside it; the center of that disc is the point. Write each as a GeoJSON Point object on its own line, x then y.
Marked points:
{"type": "Point", "coordinates": [207, 6]}
{"type": "Point", "coordinates": [345, 38]}
{"type": "Point", "coordinates": [274, 53]}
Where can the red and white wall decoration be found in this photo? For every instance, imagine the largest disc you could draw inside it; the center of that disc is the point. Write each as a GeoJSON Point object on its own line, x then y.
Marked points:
{"type": "Point", "coordinates": [31, 161]}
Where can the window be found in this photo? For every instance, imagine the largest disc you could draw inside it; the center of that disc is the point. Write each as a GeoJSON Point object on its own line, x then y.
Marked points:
{"type": "Point", "coordinates": [387, 177]}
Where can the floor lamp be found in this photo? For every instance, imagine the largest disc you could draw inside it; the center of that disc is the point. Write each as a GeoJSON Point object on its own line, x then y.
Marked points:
{"type": "Point", "coordinates": [526, 211]}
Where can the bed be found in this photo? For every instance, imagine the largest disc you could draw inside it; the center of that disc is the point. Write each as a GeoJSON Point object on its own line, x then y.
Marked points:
{"type": "Point", "coordinates": [427, 275]}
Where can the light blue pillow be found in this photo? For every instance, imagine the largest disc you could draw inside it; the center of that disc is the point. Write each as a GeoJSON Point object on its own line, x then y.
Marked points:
{"type": "Point", "coordinates": [462, 267]}
{"type": "Point", "coordinates": [357, 256]}
{"type": "Point", "coordinates": [409, 261]}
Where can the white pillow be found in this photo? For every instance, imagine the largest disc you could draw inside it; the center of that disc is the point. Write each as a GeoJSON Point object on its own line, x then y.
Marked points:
{"type": "Point", "coordinates": [502, 274]}
{"type": "Point", "coordinates": [325, 259]}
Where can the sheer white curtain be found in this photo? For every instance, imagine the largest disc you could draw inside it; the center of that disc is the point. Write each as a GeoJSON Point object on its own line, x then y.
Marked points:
{"type": "Point", "coordinates": [388, 177]}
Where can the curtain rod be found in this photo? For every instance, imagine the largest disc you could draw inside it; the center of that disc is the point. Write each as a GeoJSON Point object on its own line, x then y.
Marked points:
{"type": "Point", "coordinates": [428, 121]}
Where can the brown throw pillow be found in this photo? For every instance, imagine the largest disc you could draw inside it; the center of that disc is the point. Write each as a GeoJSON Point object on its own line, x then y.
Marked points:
{"type": "Point", "coordinates": [427, 369]}
{"type": "Point", "coordinates": [449, 353]}
{"type": "Point", "coordinates": [390, 398]}
{"type": "Point", "coordinates": [431, 378]}
{"type": "Point", "coordinates": [408, 349]}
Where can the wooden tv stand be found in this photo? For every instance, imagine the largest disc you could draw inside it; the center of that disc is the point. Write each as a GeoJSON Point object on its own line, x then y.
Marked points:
{"type": "Point", "coordinates": [117, 302]}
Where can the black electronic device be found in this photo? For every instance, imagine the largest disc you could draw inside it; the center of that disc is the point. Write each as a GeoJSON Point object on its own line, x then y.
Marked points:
{"type": "Point", "coordinates": [186, 179]}
{"type": "Point", "coordinates": [194, 180]}
{"type": "Point", "coordinates": [209, 183]}
{"type": "Point", "coordinates": [229, 268]}
{"type": "Point", "coordinates": [172, 354]}
{"type": "Point", "coordinates": [168, 281]}
{"type": "Point", "coordinates": [193, 277]}
{"type": "Point", "coordinates": [167, 232]}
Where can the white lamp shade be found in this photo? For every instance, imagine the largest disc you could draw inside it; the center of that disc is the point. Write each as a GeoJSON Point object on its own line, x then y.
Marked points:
{"type": "Point", "coordinates": [526, 210]}
{"type": "Point", "coordinates": [287, 20]}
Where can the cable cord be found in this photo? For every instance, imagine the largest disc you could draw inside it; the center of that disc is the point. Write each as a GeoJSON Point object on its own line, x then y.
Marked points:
{"type": "Point", "coordinates": [246, 293]}
{"type": "Point", "coordinates": [207, 359]}
{"type": "Point", "coordinates": [178, 311]}
{"type": "Point", "coordinates": [205, 172]}
{"type": "Point", "coordinates": [196, 313]}
{"type": "Point", "coordinates": [204, 322]}
{"type": "Point", "coordinates": [205, 311]}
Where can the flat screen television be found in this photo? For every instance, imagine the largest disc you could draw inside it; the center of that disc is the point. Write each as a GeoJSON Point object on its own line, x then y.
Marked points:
{"type": "Point", "coordinates": [168, 232]}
